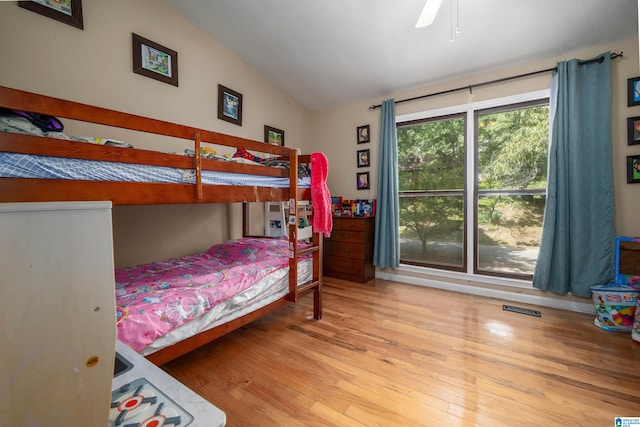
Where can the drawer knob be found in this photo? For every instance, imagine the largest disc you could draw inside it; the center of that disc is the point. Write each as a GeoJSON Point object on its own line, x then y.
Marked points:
{"type": "Point", "coordinates": [345, 235]}
{"type": "Point", "coordinates": [346, 251]}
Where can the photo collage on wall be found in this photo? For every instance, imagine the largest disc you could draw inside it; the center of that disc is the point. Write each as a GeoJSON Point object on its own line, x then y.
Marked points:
{"type": "Point", "coordinates": [633, 130]}
{"type": "Point", "coordinates": [363, 157]}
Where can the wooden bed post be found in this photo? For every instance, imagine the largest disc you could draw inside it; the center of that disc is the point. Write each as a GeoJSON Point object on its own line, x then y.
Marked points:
{"type": "Point", "coordinates": [198, 164]}
{"type": "Point", "coordinates": [317, 276]}
{"type": "Point", "coordinates": [293, 224]}
{"type": "Point", "coordinates": [245, 219]}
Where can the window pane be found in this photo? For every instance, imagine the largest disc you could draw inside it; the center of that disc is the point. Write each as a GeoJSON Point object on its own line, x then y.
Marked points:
{"type": "Point", "coordinates": [510, 143]}
{"type": "Point", "coordinates": [509, 230]}
{"type": "Point", "coordinates": [431, 155]}
{"type": "Point", "coordinates": [512, 149]}
{"type": "Point", "coordinates": [431, 230]}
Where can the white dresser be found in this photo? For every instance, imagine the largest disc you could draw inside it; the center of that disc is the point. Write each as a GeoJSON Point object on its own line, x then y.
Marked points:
{"type": "Point", "coordinates": [57, 330]}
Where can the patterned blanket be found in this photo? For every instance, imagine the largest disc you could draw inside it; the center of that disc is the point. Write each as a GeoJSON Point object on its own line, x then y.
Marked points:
{"type": "Point", "coordinates": [153, 299]}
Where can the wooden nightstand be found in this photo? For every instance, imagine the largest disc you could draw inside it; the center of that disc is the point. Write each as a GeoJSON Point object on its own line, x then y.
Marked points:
{"type": "Point", "coordinates": [348, 253]}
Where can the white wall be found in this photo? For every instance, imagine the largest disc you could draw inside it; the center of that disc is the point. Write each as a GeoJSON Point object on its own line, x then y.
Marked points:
{"type": "Point", "coordinates": [94, 66]}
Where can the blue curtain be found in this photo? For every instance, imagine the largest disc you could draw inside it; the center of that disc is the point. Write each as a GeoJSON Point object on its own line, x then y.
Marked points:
{"type": "Point", "coordinates": [386, 249]}
{"type": "Point", "coordinates": [578, 236]}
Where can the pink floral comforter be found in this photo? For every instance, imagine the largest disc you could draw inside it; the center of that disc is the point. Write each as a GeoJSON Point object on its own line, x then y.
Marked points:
{"type": "Point", "coordinates": [153, 299]}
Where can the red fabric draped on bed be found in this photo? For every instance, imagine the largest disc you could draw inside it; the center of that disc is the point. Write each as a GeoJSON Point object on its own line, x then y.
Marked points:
{"type": "Point", "coordinates": [322, 221]}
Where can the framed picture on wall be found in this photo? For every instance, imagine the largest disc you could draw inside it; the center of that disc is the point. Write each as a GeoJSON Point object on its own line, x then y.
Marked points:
{"type": "Point", "coordinates": [363, 158]}
{"type": "Point", "coordinates": [273, 136]}
{"type": "Point", "coordinates": [67, 11]}
{"type": "Point", "coordinates": [633, 169]}
{"type": "Point", "coordinates": [153, 60]}
{"type": "Point", "coordinates": [363, 134]}
{"type": "Point", "coordinates": [633, 91]}
{"type": "Point", "coordinates": [362, 180]}
{"type": "Point", "coordinates": [633, 130]}
{"type": "Point", "coordinates": [229, 105]}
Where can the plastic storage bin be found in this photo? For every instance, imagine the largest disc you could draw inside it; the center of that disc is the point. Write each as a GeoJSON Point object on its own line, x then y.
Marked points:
{"type": "Point", "coordinates": [615, 307]}
{"type": "Point", "coordinates": [616, 303]}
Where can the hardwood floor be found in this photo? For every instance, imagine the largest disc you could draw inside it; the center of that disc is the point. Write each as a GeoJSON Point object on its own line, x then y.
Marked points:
{"type": "Point", "coordinates": [390, 354]}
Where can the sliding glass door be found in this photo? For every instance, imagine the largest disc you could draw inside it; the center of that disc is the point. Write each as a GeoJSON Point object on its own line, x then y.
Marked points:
{"type": "Point", "coordinates": [511, 181]}
{"type": "Point", "coordinates": [431, 164]}
{"type": "Point", "coordinates": [500, 193]}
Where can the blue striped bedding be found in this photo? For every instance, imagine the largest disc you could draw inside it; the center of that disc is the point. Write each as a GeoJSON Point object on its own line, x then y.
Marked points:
{"type": "Point", "coordinates": [14, 165]}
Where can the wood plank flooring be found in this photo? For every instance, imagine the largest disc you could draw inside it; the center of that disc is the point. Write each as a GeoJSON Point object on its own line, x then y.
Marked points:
{"type": "Point", "coordinates": [390, 354]}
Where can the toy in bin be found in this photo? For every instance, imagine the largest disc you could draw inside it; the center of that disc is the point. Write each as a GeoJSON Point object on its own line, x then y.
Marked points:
{"type": "Point", "coordinates": [615, 307]}
{"type": "Point", "coordinates": [616, 303]}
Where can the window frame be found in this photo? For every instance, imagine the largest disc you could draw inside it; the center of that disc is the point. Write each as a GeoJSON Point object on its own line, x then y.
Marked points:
{"type": "Point", "coordinates": [470, 268]}
{"type": "Point", "coordinates": [440, 193]}
{"type": "Point", "coordinates": [477, 193]}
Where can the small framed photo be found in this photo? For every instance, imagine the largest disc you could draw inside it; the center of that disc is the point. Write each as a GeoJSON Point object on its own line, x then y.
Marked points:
{"type": "Point", "coordinates": [633, 130]}
{"type": "Point", "coordinates": [363, 134]}
{"type": "Point", "coordinates": [155, 61]}
{"type": "Point", "coordinates": [633, 91]}
{"type": "Point", "coordinates": [363, 158]}
{"type": "Point", "coordinates": [273, 136]}
{"type": "Point", "coordinates": [229, 105]}
{"type": "Point", "coordinates": [633, 169]}
{"type": "Point", "coordinates": [67, 11]}
{"type": "Point", "coordinates": [363, 180]}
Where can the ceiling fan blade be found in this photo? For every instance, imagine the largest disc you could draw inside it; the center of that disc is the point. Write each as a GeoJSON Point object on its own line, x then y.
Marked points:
{"type": "Point", "coordinates": [429, 13]}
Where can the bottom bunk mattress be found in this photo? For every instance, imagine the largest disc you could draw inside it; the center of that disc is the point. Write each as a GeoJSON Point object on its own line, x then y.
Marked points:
{"type": "Point", "coordinates": [162, 303]}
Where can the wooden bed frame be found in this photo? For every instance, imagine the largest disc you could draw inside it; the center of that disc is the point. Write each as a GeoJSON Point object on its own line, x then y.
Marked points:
{"type": "Point", "coordinates": [135, 193]}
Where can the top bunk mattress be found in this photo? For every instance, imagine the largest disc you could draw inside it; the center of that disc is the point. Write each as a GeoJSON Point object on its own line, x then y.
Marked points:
{"type": "Point", "coordinates": [14, 165]}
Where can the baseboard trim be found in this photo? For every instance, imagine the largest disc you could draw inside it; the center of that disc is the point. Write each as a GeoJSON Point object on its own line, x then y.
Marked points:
{"type": "Point", "coordinates": [487, 292]}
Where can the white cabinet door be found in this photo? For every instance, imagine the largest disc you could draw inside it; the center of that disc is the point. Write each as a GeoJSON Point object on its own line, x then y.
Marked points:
{"type": "Point", "coordinates": [57, 327]}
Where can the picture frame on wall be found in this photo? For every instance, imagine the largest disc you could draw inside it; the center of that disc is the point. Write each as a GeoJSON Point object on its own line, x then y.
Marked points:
{"type": "Point", "coordinates": [633, 91]}
{"type": "Point", "coordinates": [362, 179]}
{"type": "Point", "coordinates": [273, 136]}
{"type": "Point", "coordinates": [229, 105]}
{"type": "Point", "coordinates": [363, 158]}
{"type": "Point", "coordinates": [633, 130]}
{"type": "Point", "coordinates": [362, 133]}
{"type": "Point", "coordinates": [67, 11]}
{"type": "Point", "coordinates": [155, 61]}
{"type": "Point", "coordinates": [633, 169]}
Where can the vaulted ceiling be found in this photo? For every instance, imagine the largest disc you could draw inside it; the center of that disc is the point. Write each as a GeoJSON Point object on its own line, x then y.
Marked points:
{"type": "Point", "coordinates": [326, 53]}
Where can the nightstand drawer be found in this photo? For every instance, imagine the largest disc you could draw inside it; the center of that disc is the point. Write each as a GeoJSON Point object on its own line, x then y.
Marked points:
{"type": "Point", "coordinates": [351, 224]}
{"type": "Point", "coordinates": [348, 236]}
{"type": "Point", "coordinates": [348, 250]}
{"type": "Point", "coordinates": [344, 265]}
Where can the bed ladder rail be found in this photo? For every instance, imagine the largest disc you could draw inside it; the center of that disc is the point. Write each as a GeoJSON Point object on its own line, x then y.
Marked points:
{"type": "Point", "coordinates": [295, 233]}
{"type": "Point", "coordinates": [314, 282]}
{"type": "Point", "coordinates": [296, 291]}
{"type": "Point", "coordinates": [314, 285]}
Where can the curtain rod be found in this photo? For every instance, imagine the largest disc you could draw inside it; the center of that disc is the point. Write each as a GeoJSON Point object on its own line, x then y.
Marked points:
{"type": "Point", "coordinates": [599, 60]}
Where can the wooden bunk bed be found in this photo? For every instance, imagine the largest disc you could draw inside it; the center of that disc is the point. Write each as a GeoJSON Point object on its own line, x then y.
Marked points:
{"type": "Point", "coordinates": [14, 189]}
